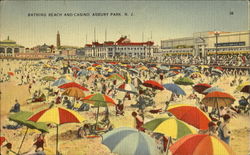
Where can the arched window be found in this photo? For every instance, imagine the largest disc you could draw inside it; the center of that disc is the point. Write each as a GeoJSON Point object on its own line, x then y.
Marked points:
{"type": "Point", "coordinates": [2, 50]}
{"type": "Point", "coordinates": [9, 50]}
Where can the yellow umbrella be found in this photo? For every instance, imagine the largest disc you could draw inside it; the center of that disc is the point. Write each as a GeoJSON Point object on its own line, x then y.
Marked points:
{"type": "Point", "coordinates": [57, 115]}
{"type": "Point", "coordinates": [171, 127]}
{"type": "Point", "coordinates": [241, 86]}
{"type": "Point", "coordinates": [143, 68]}
{"type": "Point", "coordinates": [91, 68]}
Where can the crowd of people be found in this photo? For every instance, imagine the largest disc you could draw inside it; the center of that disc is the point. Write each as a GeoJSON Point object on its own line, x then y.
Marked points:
{"type": "Point", "coordinates": [31, 73]}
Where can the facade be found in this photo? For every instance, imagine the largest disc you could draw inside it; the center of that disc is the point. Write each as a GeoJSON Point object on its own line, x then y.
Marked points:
{"type": "Point", "coordinates": [208, 43]}
{"type": "Point", "coordinates": [123, 47]}
{"type": "Point", "coordinates": [10, 48]}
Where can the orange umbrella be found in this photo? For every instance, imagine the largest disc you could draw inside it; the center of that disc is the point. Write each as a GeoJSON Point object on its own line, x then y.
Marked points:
{"type": "Point", "coordinates": [191, 115]}
{"type": "Point", "coordinates": [73, 85]}
{"type": "Point", "coordinates": [200, 145]}
{"type": "Point", "coordinates": [74, 92]}
{"type": "Point", "coordinates": [218, 99]}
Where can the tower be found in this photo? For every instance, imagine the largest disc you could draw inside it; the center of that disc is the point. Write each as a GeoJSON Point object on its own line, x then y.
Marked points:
{"type": "Point", "coordinates": [58, 41]}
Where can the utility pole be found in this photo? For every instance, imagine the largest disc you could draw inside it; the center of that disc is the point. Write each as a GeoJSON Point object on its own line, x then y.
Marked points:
{"type": "Point", "coordinates": [105, 35]}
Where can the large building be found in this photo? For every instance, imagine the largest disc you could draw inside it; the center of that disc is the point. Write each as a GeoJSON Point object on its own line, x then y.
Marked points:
{"type": "Point", "coordinates": [123, 47]}
{"type": "Point", "coordinates": [208, 43]}
{"type": "Point", "coordinates": [10, 48]}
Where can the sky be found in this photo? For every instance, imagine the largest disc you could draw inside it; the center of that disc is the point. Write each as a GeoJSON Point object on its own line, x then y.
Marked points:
{"type": "Point", "coordinates": [163, 19]}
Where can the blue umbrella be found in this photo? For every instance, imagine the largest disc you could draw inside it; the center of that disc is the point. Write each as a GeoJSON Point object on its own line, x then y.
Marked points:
{"type": "Point", "coordinates": [60, 81]}
{"type": "Point", "coordinates": [83, 73]}
{"type": "Point", "coordinates": [129, 141]}
{"type": "Point", "coordinates": [212, 89]}
{"type": "Point", "coordinates": [164, 68]}
{"type": "Point", "coordinates": [174, 88]}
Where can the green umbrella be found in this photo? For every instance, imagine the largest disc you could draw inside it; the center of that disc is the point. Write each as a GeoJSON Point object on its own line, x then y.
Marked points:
{"type": "Point", "coordinates": [22, 118]}
{"type": "Point", "coordinates": [184, 81]}
{"type": "Point", "coordinates": [170, 126]}
{"type": "Point", "coordinates": [49, 78]}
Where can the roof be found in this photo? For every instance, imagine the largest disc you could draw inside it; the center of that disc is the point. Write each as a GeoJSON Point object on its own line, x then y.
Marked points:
{"type": "Point", "coordinates": [121, 40]}
{"type": "Point", "coordinates": [149, 43]}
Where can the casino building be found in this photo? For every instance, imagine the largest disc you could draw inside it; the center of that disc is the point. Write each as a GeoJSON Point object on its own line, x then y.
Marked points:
{"type": "Point", "coordinates": [123, 47]}
{"type": "Point", "coordinates": [10, 48]}
{"type": "Point", "coordinates": [208, 43]}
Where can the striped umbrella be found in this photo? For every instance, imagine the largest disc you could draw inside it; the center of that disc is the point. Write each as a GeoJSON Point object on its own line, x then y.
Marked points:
{"type": "Point", "coordinates": [153, 84]}
{"type": "Point", "coordinates": [170, 126]}
{"type": "Point", "coordinates": [73, 85]}
{"type": "Point", "coordinates": [129, 141]}
{"type": "Point", "coordinates": [244, 87]}
{"type": "Point", "coordinates": [58, 116]}
{"type": "Point", "coordinates": [217, 99]}
{"type": "Point", "coordinates": [200, 145]}
{"type": "Point", "coordinates": [191, 115]}
{"type": "Point", "coordinates": [98, 100]}
{"type": "Point", "coordinates": [116, 76]}
{"type": "Point", "coordinates": [128, 88]}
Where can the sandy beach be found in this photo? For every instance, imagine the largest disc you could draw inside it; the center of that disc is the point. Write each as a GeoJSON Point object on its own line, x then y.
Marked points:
{"type": "Point", "coordinates": [70, 144]}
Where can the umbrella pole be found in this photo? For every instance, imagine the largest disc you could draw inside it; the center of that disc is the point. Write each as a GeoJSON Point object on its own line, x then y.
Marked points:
{"type": "Point", "coordinates": [57, 153]}
{"type": "Point", "coordinates": [97, 115]}
{"type": "Point", "coordinates": [23, 140]}
{"type": "Point", "coordinates": [170, 139]}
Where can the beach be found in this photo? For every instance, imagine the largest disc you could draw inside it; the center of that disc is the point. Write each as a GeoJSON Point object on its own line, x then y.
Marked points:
{"type": "Point", "coordinates": [70, 143]}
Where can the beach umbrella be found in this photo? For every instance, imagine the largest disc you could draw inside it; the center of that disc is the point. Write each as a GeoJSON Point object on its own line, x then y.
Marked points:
{"type": "Point", "coordinates": [143, 68]}
{"type": "Point", "coordinates": [91, 68]}
{"type": "Point", "coordinates": [73, 85]}
{"type": "Point", "coordinates": [74, 92]}
{"type": "Point", "coordinates": [184, 81]}
{"type": "Point", "coordinates": [200, 144]}
{"type": "Point", "coordinates": [153, 84]}
{"type": "Point", "coordinates": [201, 87]}
{"type": "Point", "coordinates": [98, 100]}
{"type": "Point", "coordinates": [175, 68]}
{"type": "Point", "coordinates": [219, 68]}
{"type": "Point", "coordinates": [217, 99]}
{"type": "Point", "coordinates": [60, 82]}
{"type": "Point", "coordinates": [129, 141]}
{"type": "Point", "coordinates": [49, 78]}
{"type": "Point", "coordinates": [128, 88]}
{"type": "Point", "coordinates": [165, 68]}
{"type": "Point", "coordinates": [2, 139]}
{"type": "Point", "coordinates": [10, 73]}
{"type": "Point", "coordinates": [172, 73]}
{"type": "Point", "coordinates": [171, 127]}
{"type": "Point", "coordinates": [174, 88]}
{"type": "Point", "coordinates": [58, 116]}
{"type": "Point", "coordinates": [67, 76]}
{"type": "Point", "coordinates": [134, 70]}
{"type": "Point", "coordinates": [204, 66]}
{"type": "Point", "coordinates": [217, 71]}
{"type": "Point", "coordinates": [22, 118]}
{"type": "Point", "coordinates": [212, 89]}
{"type": "Point", "coordinates": [191, 115]}
{"type": "Point", "coordinates": [244, 87]}
{"type": "Point", "coordinates": [196, 75]}
{"type": "Point", "coordinates": [83, 73]}
{"type": "Point", "coordinates": [116, 76]}
{"type": "Point", "coordinates": [76, 68]}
